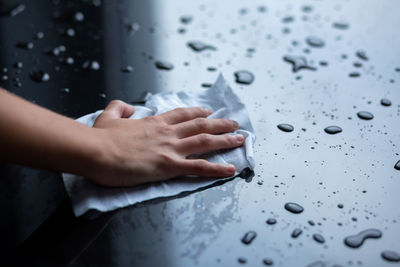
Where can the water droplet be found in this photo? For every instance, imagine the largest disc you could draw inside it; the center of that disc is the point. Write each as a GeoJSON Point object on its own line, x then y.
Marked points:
{"type": "Point", "coordinates": [307, 9]}
{"type": "Point", "coordinates": [65, 90]}
{"type": "Point", "coordinates": [25, 45]}
{"type": "Point", "coordinates": [211, 68]}
{"type": "Point", "coordinates": [340, 25]}
{"type": "Point", "coordinates": [70, 32]}
{"type": "Point", "coordinates": [242, 260]}
{"type": "Point", "coordinates": [354, 74]}
{"type": "Point", "coordinates": [127, 69]}
{"type": "Point", "coordinates": [333, 129]}
{"type": "Point", "coordinates": [311, 222]}
{"type": "Point", "coordinates": [249, 237]}
{"type": "Point", "coordinates": [244, 77]}
{"type": "Point", "coordinates": [386, 102]}
{"type": "Point", "coordinates": [206, 85]}
{"type": "Point", "coordinates": [298, 63]}
{"type": "Point", "coordinates": [271, 221]}
{"type": "Point", "coordinates": [323, 63]}
{"type": "Point", "coordinates": [319, 238]}
{"type": "Point", "coordinates": [287, 19]}
{"type": "Point", "coordinates": [365, 115]}
{"type": "Point", "coordinates": [285, 127]}
{"type": "Point", "coordinates": [186, 19]}
{"type": "Point", "coordinates": [268, 261]}
{"type": "Point", "coordinates": [162, 65]}
{"type": "Point", "coordinates": [4, 78]}
{"type": "Point", "coordinates": [315, 41]}
{"type": "Point", "coordinates": [362, 55]}
{"type": "Point", "coordinates": [39, 76]}
{"type": "Point", "coordinates": [91, 64]}
{"type": "Point", "coordinates": [355, 241]}
{"type": "Point", "coordinates": [262, 9]}
{"type": "Point", "coordinates": [69, 61]}
{"type": "Point", "coordinates": [392, 256]}
{"type": "Point", "coordinates": [294, 207]}
{"type": "Point", "coordinates": [357, 64]}
{"type": "Point", "coordinates": [397, 166]}
{"type": "Point", "coordinates": [296, 233]}
{"type": "Point", "coordinates": [200, 46]}
{"type": "Point", "coordinates": [13, 11]}
{"type": "Point", "coordinates": [39, 35]}
{"type": "Point", "coordinates": [103, 95]}
{"type": "Point", "coordinates": [79, 16]}
{"type": "Point", "coordinates": [18, 65]}
{"type": "Point", "coordinates": [340, 206]}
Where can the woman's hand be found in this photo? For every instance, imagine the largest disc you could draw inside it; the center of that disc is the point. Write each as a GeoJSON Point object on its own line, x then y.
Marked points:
{"type": "Point", "coordinates": [156, 148]}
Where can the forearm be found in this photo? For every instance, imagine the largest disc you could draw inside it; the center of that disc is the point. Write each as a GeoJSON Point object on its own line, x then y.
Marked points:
{"type": "Point", "coordinates": [37, 137]}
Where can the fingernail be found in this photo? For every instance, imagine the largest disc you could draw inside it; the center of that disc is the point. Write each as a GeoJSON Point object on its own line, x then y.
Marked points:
{"type": "Point", "coordinates": [235, 124]}
{"type": "Point", "coordinates": [239, 138]}
{"type": "Point", "coordinates": [230, 169]}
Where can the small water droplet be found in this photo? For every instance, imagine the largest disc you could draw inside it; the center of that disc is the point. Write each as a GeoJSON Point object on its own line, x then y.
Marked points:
{"type": "Point", "coordinates": [355, 241]}
{"type": "Point", "coordinates": [386, 102]}
{"type": "Point", "coordinates": [311, 222]}
{"type": "Point", "coordinates": [340, 25]}
{"type": "Point", "coordinates": [206, 85]}
{"type": "Point", "coordinates": [25, 45]}
{"type": "Point", "coordinates": [69, 61]}
{"type": "Point", "coordinates": [200, 46]}
{"type": "Point", "coordinates": [391, 256]}
{"type": "Point", "coordinates": [249, 237]}
{"type": "Point", "coordinates": [319, 238]}
{"type": "Point", "coordinates": [285, 127]}
{"type": "Point", "coordinates": [211, 68]}
{"type": "Point", "coordinates": [91, 64]}
{"type": "Point", "coordinates": [4, 78]}
{"type": "Point", "coordinates": [242, 260]}
{"type": "Point", "coordinates": [296, 233]}
{"type": "Point", "coordinates": [294, 207]}
{"type": "Point", "coordinates": [65, 90]}
{"type": "Point", "coordinates": [268, 261]}
{"type": "Point", "coordinates": [271, 221]}
{"type": "Point", "coordinates": [79, 16]}
{"type": "Point", "coordinates": [354, 74]}
{"type": "Point", "coordinates": [362, 55]}
{"type": "Point", "coordinates": [186, 19]}
{"type": "Point", "coordinates": [244, 77]}
{"type": "Point", "coordinates": [365, 115]}
{"type": "Point", "coordinates": [340, 206]}
{"type": "Point", "coordinates": [39, 76]}
{"type": "Point", "coordinates": [70, 32]}
{"type": "Point", "coordinates": [127, 69]}
{"type": "Point", "coordinates": [315, 41]}
{"type": "Point", "coordinates": [162, 65]}
{"type": "Point", "coordinates": [287, 19]}
{"type": "Point", "coordinates": [333, 129]}
{"type": "Point", "coordinates": [102, 95]}
{"type": "Point", "coordinates": [18, 65]}
{"type": "Point", "coordinates": [298, 63]}
{"type": "Point", "coordinates": [13, 10]}
{"type": "Point", "coordinates": [39, 35]}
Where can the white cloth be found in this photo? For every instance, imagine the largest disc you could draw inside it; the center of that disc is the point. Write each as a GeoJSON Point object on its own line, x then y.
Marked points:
{"type": "Point", "coordinates": [219, 98]}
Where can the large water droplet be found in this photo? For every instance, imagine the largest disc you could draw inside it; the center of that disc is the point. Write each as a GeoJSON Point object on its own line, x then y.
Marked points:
{"type": "Point", "coordinates": [244, 77]}
{"type": "Point", "coordinates": [391, 256]}
{"type": "Point", "coordinates": [186, 19]}
{"type": "Point", "coordinates": [355, 241]}
{"type": "Point", "coordinates": [365, 115]}
{"type": "Point", "coordinates": [397, 166]}
{"type": "Point", "coordinates": [354, 74]}
{"type": "Point", "coordinates": [162, 65]}
{"type": "Point", "coordinates": [294, 207]}
{"type": "Point", "coordinates": [268, 261]}
{"type": "Point", "coordinates": [333, 129]}
{"type": "Point", "coordinates": [249, 237]}
{"type": "Point", "coordinates": [386, 102]}
{"type": "Point", "coordinates": [298, 63]}
{"type": "Point", "coordinates": [271, 221]}
{"type": "Point", "coordinates": [285, 127]}
{"type": "Point", "coordinates": [200, 46]}
{"type": "Point", "coordinates": [315, 41]}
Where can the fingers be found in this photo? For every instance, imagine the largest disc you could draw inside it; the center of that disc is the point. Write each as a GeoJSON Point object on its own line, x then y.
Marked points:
{"type": "Point", "coordinates": [202, 143]}
{"type": "Point", "coordinates": [184, 114]}
{"type": "Point", "coordinates": [201, 167]}
{"type": "Point", "coordinates": [117, 109]}
{"type": "Point", "coordinates": [202, 125]}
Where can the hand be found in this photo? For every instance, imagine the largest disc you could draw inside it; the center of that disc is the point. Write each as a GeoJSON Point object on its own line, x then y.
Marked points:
{"type": "Point", "coordinates": [156, 148]}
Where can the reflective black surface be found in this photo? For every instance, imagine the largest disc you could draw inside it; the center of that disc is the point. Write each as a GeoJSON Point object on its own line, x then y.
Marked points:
{"type": "Point", "coordinates": [346, 182]}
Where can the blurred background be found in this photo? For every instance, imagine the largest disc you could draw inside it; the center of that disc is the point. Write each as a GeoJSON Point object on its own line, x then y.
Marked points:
{"type": "Point", "coordinates": [315, 64]}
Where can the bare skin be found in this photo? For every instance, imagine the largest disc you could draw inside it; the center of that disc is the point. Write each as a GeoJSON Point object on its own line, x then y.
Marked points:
{"type": "Point", "coordinates": [116, 151]}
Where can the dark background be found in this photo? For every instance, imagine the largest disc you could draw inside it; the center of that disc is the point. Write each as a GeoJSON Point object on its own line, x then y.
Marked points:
{"type": "Point", "coordinates": [307, 166]}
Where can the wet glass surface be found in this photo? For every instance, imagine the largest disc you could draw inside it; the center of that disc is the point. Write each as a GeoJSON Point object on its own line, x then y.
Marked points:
{"type": "Point", "coordinates": [346, 182]}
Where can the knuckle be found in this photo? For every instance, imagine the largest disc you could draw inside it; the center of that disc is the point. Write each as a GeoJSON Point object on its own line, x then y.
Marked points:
{"type": "Point", "coordinates": [201, 123]}
{"type": "Point", "coordinates": [116, 102]}
{"type": "Point", "coordinates": [204, 139]}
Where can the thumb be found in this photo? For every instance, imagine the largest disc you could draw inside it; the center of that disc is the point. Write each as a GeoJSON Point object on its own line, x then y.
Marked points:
{"type": "Point", "coordinates": [117, 109]}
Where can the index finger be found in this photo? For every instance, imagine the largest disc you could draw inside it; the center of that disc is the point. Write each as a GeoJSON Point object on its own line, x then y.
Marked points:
{"type": "Point", "coordinates": [179, 115]}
